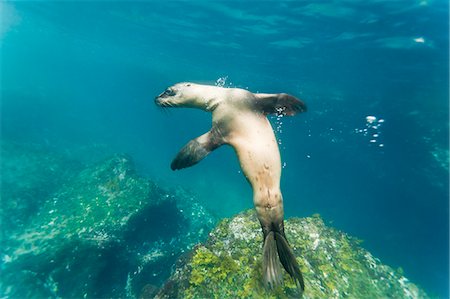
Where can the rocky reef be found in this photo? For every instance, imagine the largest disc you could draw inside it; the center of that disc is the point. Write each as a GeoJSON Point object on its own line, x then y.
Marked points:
{"type": "Point", "coordinates": [334, 265]}
{"type": "Point", "coordinates": [74, 229]}
{"type": "Point", "coordinates": [103, 232]}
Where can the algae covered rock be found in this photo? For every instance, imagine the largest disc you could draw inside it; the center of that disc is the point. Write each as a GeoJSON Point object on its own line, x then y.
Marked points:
{"type": "Point", "coordinates": [334, 265]}
{"type": "Point", "coordinates": [106, 233]}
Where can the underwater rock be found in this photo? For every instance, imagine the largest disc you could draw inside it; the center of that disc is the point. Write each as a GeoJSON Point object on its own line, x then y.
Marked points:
{"type": "Point", "coordinates": [29, 174]}
{"type": "Point", "coordinates": [106, 233]}
{"type": "Point", "coordinates": [228, 265]}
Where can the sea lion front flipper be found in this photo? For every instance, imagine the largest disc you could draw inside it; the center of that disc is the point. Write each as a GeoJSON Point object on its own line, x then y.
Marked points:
{"type": "Point", "coordinates": [196, 149]}
{"type": "Point", "coordinates": [279, 103]}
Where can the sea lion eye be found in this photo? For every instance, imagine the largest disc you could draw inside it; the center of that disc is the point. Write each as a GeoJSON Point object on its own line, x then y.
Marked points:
{"type": "Point", "coordinates": [168, 92]}
{"type": "Point", "coordinates": [188, 84]}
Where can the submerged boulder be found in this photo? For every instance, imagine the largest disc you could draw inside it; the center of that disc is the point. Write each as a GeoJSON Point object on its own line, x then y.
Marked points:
{"type": "Point", "coordinates": [334, 265]}
{"type": "Point", "coordinates": [107, 232]}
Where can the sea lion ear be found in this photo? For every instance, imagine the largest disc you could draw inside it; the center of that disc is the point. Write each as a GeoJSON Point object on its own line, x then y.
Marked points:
{"type": "Point", "coordinates": [279, 103]}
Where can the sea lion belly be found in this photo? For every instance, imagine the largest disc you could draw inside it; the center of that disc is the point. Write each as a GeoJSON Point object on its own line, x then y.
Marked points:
{"type": "Point", "coordinates": [257, 150]}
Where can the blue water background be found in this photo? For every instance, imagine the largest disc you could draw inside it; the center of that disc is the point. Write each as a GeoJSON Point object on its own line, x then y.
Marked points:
{"type": "Point", "coordinates": [79, 74]}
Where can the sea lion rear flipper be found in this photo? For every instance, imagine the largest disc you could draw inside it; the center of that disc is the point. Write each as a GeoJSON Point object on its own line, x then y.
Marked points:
{"type": "Point", "coordinates": [276, 248]}
{"type": "Point", "coordinates": [196, 149]}
{"type": "Point", "coordinates": [279, 103]}
{"type": "Point", "coordinates": [288, 260]}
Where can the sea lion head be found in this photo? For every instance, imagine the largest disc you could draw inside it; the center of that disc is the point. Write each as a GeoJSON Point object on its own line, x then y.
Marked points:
{"type": "Point", "coordinates": [180, 95]}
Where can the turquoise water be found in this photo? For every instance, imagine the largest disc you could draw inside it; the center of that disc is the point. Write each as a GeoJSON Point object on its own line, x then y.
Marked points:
{"type": "Point", "coordinates": [84, 75]}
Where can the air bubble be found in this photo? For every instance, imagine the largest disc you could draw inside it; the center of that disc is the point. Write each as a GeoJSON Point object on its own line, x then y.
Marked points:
{"type": "Point", "coordinates": [370, 119]}
{"type": "Point", "coordinates": [221, 81]}
{"type": "Point", "coordinates": [279, 122]}
{"type": "Point", "coordinates": [372, 129]}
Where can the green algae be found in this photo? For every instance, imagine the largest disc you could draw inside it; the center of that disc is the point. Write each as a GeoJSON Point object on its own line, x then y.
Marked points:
{"type": "Point", "coordinates": [334, 265]}
{"type": "Point", "coordinates": [97, 235]}
{"type": "Point", "coordinates": [106, 232]}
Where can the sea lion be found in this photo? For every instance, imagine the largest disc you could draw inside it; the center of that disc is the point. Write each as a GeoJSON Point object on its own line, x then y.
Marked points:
{"type": "Point", "coordinates": [239, 119]}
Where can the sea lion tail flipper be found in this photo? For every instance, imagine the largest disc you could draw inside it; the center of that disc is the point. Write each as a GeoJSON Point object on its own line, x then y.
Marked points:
{"type": "Point", "coordinates": [288, 260]}
{"type": "Point", "coordinates": [195, 150]}
{"type": "Point", "coordinates": [271, 267]}
{"type": "Point", "coordinates": [279, 103]}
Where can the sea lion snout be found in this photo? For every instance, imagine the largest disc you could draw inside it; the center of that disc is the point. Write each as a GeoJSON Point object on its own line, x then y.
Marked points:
{"type": "Point", "coordinates": [162, 99]}
{"type": "Point", "coordinates": [178, 95]}
{"type": "Point", "coordinates": [158, 101]}
{"type": "Point", "coordinates": [166, 98]}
